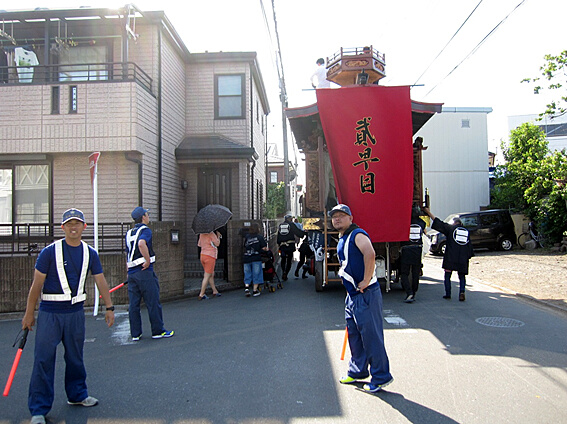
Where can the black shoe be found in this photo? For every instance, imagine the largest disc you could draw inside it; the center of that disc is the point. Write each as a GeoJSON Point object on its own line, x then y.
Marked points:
{"type": "Point", "coordinates": [462, 297]}
{"type": "Point", "coordinates": [284, 276]}
{"type": "Point", "coordinates": [304, 275]}
{"type": "Point", "coordinates": [296, 274]}
{"type": "Point", "coordinates": [447, 296]}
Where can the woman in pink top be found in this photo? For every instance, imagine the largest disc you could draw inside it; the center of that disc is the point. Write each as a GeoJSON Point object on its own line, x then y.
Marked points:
{"type": "Point", "coordinates": [209, 244]}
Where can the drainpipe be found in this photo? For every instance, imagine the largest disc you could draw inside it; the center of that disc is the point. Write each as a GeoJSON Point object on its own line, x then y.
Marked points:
{"type": "Point", "coordinates": [159, 124]}
{"type": "Point", "coordinates": [253, 164]}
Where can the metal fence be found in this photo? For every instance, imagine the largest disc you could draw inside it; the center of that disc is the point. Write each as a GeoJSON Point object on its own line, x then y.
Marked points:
{"type": "Point", "coordinates": [25, 239]}
{"type": "Point", "coordinates": [75, 73]}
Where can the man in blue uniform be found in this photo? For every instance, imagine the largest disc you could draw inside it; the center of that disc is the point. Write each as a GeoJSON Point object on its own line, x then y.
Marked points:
{"type": "Point", "coordinates": [59, 279]}
{"type": "Point", "coordinates": [142, 280]}
{"type": "Point", "coordinates": [363, 304]}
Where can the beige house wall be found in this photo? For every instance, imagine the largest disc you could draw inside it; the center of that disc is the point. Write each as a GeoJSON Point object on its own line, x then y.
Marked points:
{"type": "Point", "coordinates": [200, 101]}
{"type": "Point", "coordinates": [127, 123]}
{"type": "Point", "coordinates": [200, 114]}
{"type": "Point", "coordinates": [173, 129]}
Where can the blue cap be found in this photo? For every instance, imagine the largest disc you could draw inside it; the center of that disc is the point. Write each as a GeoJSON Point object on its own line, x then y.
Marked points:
{"type": "Point", "coordinates": [72, 213]}
{"type": "Point", "coordinates": [340, 208]}
{"type": "Point", "coordinates": [139, 212]}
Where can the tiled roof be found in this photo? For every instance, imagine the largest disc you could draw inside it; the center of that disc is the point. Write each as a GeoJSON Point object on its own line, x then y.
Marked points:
{"type": "Point", "coordinates": [212, 147]}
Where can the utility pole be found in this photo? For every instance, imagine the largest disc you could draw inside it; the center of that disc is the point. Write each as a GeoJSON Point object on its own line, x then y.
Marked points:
{"type": "Point", "coordinates": [283, 100]}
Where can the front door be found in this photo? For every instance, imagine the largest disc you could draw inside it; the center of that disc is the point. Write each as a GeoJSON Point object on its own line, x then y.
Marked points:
{"type": "Point", "coordinates": [214, 188]}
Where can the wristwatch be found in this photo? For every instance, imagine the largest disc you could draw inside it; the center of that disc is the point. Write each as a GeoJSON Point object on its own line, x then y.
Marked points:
{"type": "Point", "coordinates": [110, 308]}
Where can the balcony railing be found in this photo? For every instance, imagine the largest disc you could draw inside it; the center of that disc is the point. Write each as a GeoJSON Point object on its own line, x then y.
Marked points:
{"type": "Point", "coordinates": [75, 73]}
{"type": "Point", "coordinates": [18, 239]}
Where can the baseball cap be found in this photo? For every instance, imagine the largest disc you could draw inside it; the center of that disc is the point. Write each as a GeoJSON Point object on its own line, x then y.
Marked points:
{"type": "Point", "coordinates": [139, 212]}
{"type": "Point", "coordinates": [72, 213]}
{"type": "Point", "coordinates": [340, 208]}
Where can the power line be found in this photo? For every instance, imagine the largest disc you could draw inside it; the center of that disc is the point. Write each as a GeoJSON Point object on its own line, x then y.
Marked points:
{"type": "Point", "coordinates": [475, 49]}
{"type": "Point", "coordinates": [451, 39]}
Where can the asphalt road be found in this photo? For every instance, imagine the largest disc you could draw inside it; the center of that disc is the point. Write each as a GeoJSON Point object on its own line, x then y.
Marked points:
{"type": "Point", "coordinates": [276, 359]}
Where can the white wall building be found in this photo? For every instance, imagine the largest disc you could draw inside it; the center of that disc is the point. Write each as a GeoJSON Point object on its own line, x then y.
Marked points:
{"type": "Point", "coordinates": [555, 129]}
{"type": "Point", "coordinates": [455, 165]}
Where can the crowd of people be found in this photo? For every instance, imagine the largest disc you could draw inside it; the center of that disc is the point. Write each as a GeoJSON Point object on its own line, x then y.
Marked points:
{"type": "Point", "coordinates": [62, 267]}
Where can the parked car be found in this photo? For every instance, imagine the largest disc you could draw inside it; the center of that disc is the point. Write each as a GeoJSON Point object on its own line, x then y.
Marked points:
{"type": "Point", "coordinates": [491, 229]}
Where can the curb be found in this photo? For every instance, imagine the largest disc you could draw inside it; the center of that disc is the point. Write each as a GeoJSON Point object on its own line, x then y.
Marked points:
{"type": "Point", "coordinates": [523, 296]}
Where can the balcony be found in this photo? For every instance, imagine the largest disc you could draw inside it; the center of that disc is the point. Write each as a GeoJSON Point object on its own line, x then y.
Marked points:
{"type": "Point", "coordinates": [75, 73]}
{"type": "Point", "coordinates": [344, 66]}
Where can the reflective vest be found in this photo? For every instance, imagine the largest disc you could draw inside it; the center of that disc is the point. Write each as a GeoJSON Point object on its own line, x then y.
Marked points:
{"type": "Point", "coordinates": [134, 250]}
{"type": "Point", "coordinates": [346, 270]}
{"type": "Point", "coordinates": [67, 295]}
{"type": "Point", "coordinates": [415, 234]}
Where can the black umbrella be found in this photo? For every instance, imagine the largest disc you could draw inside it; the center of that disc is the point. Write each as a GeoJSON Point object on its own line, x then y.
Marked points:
{"type": "Point", "coordinates": [210, 218]}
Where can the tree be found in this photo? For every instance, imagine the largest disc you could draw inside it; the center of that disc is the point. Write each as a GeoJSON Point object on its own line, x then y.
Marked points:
{"type": "Point", "coordinates": [530, 180]}
{"type": "Point", "coordinates": [555, 72]}
{"type": "Point", "coordinates": [275, 201]}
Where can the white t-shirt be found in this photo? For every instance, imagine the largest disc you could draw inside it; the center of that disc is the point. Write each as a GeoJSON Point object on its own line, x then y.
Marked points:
{"type": "Point", "coordinates": [319, 78]}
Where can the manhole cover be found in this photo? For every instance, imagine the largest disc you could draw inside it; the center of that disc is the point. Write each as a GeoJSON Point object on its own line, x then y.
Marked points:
{"type": "Point", "coordinates": [500, 322]}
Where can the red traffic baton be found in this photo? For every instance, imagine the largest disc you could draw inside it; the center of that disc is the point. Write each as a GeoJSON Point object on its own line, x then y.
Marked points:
{"type": "Point", "coordinates": [16, 362]}
{"type": "Point", "coordinates": [344, 345]}
{"type": "Point", "coordinates": [116, 288]}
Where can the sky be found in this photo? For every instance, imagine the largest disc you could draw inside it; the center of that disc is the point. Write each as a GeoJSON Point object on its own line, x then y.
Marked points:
{"type": "Point", "coordinates": [413, 35]}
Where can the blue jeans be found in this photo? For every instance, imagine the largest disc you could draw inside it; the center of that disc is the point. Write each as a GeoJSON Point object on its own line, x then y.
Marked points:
{"type": "Point", "coordinates": [253, 273]}
{"type": "Point", "coordinates": [447, 281]}
{"type": "Point", "coordinates": [52, 329]}
{"type": "Point", "coordinates": [144, 285]}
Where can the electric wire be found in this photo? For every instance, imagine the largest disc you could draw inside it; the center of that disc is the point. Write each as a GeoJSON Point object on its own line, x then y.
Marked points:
{"type": "Point", "coordinates": [448, 42]}
{"type": "Point", "coordinates": [475, 49]}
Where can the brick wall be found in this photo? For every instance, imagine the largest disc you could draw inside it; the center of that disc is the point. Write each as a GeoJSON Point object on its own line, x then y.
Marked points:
{"type": "Point", "coordinates": [16, 273]}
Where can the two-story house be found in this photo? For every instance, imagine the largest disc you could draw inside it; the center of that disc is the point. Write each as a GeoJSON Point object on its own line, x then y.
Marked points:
{"type": "Point", "coordinates": [176, 130]}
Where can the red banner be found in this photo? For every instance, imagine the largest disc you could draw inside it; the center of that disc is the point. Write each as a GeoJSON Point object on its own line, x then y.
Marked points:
{"type": "Point", "coordinates": [368, 130]}
{"type": "Point", "coordinates": [93, 159]}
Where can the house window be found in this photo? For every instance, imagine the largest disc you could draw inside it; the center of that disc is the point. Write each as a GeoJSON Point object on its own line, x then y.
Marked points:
{"type": "Point", "coordinates": [55, 100]}
{"type": "Point", "coordinates": [26, 187]}
{"type": "Point", "coordinates": [273, 177]}
{"type": "Point", "coordinates": [229, 96]}
{"type": "Point", "coordinates": [465, 123]}
{"type": "Point", "coordinates": [83, 64]}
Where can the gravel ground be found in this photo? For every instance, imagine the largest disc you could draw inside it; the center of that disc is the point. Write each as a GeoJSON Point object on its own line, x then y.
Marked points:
{"type": "Point", "coordinates": [539, 274]}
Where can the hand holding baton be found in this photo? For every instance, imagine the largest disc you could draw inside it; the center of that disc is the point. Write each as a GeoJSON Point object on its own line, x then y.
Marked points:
{"type": "Point", "coordinates": [16, 361]}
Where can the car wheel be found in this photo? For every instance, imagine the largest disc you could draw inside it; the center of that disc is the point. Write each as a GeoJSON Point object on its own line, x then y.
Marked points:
{"type": "Point", "coordinates": [442, 248]}
{"type": "Point", "coordinates": [505, 244]}
{"type": "Point", "coordinates": [319, 276]}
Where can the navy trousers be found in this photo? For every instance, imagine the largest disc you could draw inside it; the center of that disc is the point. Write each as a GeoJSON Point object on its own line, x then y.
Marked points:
{"type": "Point", "coordinates": [363, 314]}
{"type": "Point", "coordinates": [144, 285]}
{"type": "Point", "coordinates": [52, 329]}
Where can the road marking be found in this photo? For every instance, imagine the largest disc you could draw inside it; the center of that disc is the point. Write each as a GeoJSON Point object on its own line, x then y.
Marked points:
{"type": "Point", "coordinates": [121, 329]}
